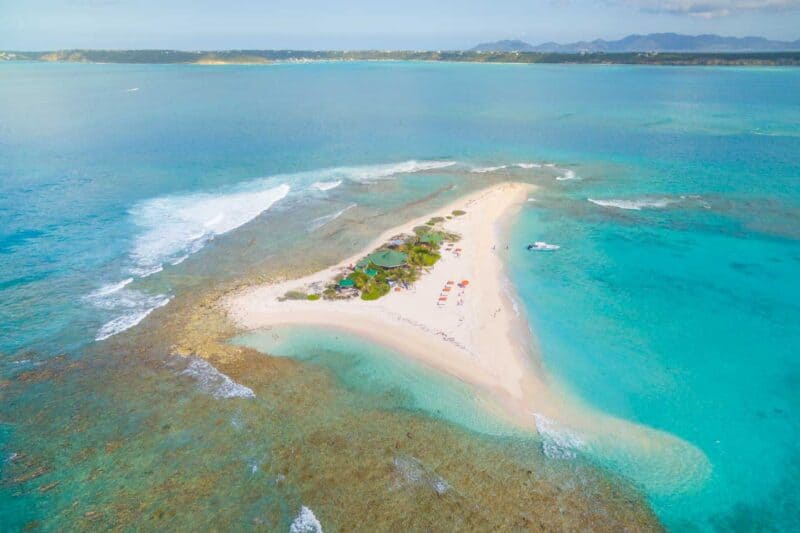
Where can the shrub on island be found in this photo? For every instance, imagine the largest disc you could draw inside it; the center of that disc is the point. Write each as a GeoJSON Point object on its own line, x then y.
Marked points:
{"type": "Point", "coordinates": [421, 256]}
{"type": "Point", "coordinates": [419, 231]}
{"type": "Point", "coordinates": [375, 290]}
{"type": "Point", "coordinates": [295, 295]}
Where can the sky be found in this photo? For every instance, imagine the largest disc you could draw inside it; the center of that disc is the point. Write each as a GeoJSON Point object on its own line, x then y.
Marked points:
{"type": "Point", "coordinates": [372, 24]}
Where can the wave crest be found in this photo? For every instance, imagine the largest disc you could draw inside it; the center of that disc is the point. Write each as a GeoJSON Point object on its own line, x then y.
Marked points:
{"type": "Point", "coordinates": [636, 204]}
{"type": "Point", "coordinates": [557, 442]}
{"type": "Point", "coordinates": [327, 219]}
{"type": "Point", "coordinates": [179, 225]}
{"type": "Point", "coordinates": [325, 185]}
{"type": "Point", "coordinates": [567, 175]}
{"type": "Point", "coordinates": [138, 305]}
{"type": "Point", "coordinates": [413, 472]}
{"type": "Point", "coordinates": [305, 522]}
{"type": "Point", "coordinates": [214, 382]}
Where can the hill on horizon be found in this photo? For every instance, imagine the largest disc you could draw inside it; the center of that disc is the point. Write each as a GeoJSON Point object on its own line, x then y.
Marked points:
{"type": "Point", "coordinates": [652, 42]}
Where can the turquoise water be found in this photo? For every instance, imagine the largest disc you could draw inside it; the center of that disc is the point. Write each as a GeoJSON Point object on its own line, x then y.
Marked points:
{"type": "Point", "coordinates": [380, 372]}
{"type": "Point", "coordinates": [672, 300]}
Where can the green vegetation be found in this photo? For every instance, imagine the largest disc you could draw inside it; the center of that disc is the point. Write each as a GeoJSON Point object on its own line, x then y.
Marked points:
{"type": "Point", "coordinates": [419, 231]}
{"type": "Point", "coordinates": [295, 295]}
{"type": "Point", "coordinates": [459, 212]}
{"type": "Point", "coordinates": [300, 295]}
{"type": "Point", "coordinates": [268, 56]}
{"type": "Point", "coordinates": [402, 262]}
{"type": "Point", "coordinates": [375, 291]}
{"type": "Point", "coordinates": [422, 256]}
{"type": "Point", "coordinates": [434, 221]}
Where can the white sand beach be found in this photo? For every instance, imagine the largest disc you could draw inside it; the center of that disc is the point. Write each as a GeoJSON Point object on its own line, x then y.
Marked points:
{"type": "Point", "coordinates": [478, 335]}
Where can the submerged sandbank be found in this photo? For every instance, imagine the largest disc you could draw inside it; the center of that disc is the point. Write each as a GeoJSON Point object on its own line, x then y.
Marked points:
{"type": "Point", "coordinates": [480, 336]}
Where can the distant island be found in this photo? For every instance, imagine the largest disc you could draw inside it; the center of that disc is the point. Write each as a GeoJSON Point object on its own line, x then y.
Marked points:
{"type": "Point", "coordinates": [652, 42]}
{"type": "Point", "coordinates": [264, 57]}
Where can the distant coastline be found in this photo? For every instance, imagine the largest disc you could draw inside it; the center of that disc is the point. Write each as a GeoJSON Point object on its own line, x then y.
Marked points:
{"type": "Point", "coordinates": [265, 57]}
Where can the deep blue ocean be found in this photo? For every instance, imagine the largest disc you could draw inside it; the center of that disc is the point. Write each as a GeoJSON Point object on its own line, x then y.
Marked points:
{"type": "Point", "coordinates": [673, 193]}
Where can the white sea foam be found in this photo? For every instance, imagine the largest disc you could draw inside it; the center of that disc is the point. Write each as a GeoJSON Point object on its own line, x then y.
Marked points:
{"type": "Point", "coordinates": [484, 170]}
{"type": "Point", "coordinates": [531, 199]}
{"type": "Point", "coordinates": [328, 176]}
{"type": "Point", "coordinates": [305, 522]}
{"type": "Point", "coordinates": [412, 471]}
{"type": "Point", "coordinates": [129, 305]}
{"type": "Point", "coordinates": [137, 311]}
{"type": "Point", "coordinates": [567, 175]}
{"type": "Point", "coordinates": [636, 204]}
{"type": "Point", "coordinates": [109, 289]}
{"type": "Point", "coordinates": [321, 221]}
{"type": "Point", "coordinates": [177, 226]}
{"type": "Point", "coordinates": [557, 442]}
{"type": "Point", "coordinates": [543, 246]}
{"type": "Point", "coordinates": [325, 185]}
{"type": "Point", "coordinates": [143, 272]}
{"type": "Point", "coordinates": [214, 382]}
{"type": "Point", "coordinates": [132, 90]}
{"type": "Point", "coordinates": [525, 166]}
{"type": "Point", "coordinates": [377, 172]}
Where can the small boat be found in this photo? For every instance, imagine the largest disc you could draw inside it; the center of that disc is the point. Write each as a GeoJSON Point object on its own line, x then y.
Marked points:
{"type": "Point", "coordinates": [541, 245]}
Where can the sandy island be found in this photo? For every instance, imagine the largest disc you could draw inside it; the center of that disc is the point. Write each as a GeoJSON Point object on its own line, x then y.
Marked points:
{"type": "Point", "coordinates": [480, 336]}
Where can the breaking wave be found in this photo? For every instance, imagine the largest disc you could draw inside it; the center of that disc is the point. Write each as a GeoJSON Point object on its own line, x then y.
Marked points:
{"type": "Point", "coordinates": [137, 306]}
{"type": "Point", "coordinates": [413, 472]}
{"type": "Point", "coordinates": [325, 185]}
{"type": "Point", "coordinates": [484, 170]}
{"type": "Point", "coordinates": [130, 306]}
{"type": "Point", "coordinates": [567, 175]}
{"type": "Point", "coordinates": [321, 221]}
{"type": "Point", "coordinates": [636, 204]}
{"type": "Point", "coordinates": [111, 288]}
{"type": "Point", "coordinates": [305, 522]}
{"type": "Point", "coordinates": [525, 166]}
{"type": "Point", "coordinates": [557, 442]}
{"type": "Point", "coordinates": [176, 226]}
{"type": "Point", "coordinates": [376, 172]}
{"type": "Point", "coordinates": [214, 382]}
{"type": "Point", "coordinates": [543, 246]}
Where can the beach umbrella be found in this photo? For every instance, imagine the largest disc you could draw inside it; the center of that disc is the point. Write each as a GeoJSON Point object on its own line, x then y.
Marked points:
{"type": "Point", "coordinates": [465, 282]}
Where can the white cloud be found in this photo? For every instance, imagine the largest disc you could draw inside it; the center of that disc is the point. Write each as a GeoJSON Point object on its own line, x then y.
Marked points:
{"type": "Point", "coordinates": [711, 8]}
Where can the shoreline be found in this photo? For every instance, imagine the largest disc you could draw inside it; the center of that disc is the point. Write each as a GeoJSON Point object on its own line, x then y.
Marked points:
{"type": "Point", "coordinates": [485, 343]}
{"type": "Point", "coordinates": [410, 321]}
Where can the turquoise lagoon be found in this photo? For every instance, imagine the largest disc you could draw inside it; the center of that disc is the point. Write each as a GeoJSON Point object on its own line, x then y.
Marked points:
{"type": "Point", "coordinates": [673, 193]}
